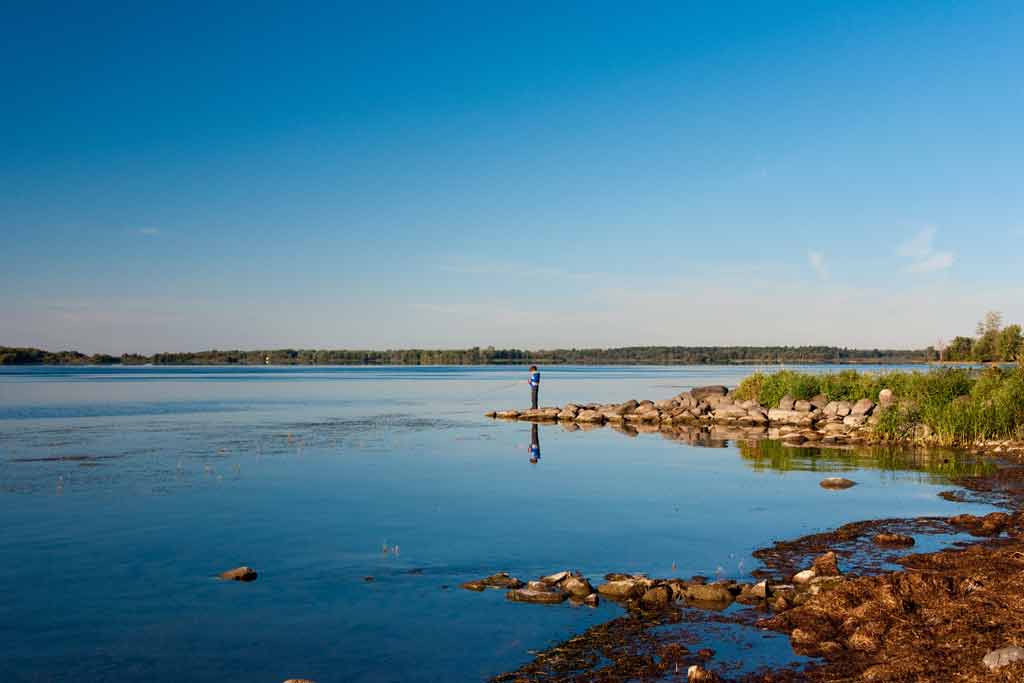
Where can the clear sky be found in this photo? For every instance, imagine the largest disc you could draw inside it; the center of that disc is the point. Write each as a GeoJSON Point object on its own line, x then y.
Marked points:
{"type": "Point", "coordinates": [389, 175]}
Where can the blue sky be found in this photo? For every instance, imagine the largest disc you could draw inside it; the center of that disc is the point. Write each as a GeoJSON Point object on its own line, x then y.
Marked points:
{"type": "Point", "coordinates": [292, 174]}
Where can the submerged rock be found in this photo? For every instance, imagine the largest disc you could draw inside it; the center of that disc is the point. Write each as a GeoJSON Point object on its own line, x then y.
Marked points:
{"type": "Point", "coordinates": [837, 483]}
{"type": "Point", "coordinates": [893, 539]}
{"type": "Point", "coordinates": [242, 573]}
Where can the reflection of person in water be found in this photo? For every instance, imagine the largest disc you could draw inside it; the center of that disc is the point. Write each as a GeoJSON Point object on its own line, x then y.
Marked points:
{"type": "Point", "coordinates": [534, 444]}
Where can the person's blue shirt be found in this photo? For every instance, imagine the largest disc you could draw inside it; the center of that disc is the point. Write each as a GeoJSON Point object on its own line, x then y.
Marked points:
{"type": "Point", "coordinates": [535, 378]}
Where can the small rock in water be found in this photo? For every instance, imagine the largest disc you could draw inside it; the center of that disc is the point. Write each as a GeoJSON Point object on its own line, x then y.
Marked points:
{"type": "Point", "coordinates": [242, 573]}
{"type": "Point", "coordinates": [300, 680]}
{"type": "Point", "coordinates": [1003, 656]}
{"type": "Point", "coordinates": [592, 600]}
{"type": "Point", "coordinates": [893, 539]}
{"type": "Point", "coordinates": [837, 483]}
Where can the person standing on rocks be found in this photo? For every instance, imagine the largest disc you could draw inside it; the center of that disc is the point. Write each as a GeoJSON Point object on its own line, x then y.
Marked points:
{"type": "Point", "coordinates": [534, 382]}
{"type": "Point", "coordinates": [534, 444]}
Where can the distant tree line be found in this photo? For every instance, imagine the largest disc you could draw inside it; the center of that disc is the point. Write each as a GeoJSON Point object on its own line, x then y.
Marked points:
{"type": "Point", "coordinates": [631, 355]}
{"type": "Point", "coordinates": [992, 342]}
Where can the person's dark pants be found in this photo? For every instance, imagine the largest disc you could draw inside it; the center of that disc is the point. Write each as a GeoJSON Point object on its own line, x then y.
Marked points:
{"type": "Point", "coordinates": [533, 396]}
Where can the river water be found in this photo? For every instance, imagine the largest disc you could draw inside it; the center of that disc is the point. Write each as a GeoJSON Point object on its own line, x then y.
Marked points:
{"type": "Point", "coordinates": [124, 491]}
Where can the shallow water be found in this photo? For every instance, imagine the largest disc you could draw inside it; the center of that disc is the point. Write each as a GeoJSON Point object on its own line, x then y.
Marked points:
{"type": "Point", "coordinates": [123, 491]}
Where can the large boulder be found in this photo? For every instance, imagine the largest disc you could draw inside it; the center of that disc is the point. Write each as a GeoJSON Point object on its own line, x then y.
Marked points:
{"type": "Point", "coordinates": [803, 407]}
{"type": "Point", "coordinates": [843, 408]}
{"type": "Point", "coordinates": [577, 587]}
{"type": "Point", "coordinates": [787, 403]}
{"type": "Point", "coordinates": [620, 589]}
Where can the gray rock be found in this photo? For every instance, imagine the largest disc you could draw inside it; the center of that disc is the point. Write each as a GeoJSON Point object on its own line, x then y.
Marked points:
{"type": "Point", "coordinates": [819, 401]}
{"type": "Point", "coordinates": [854, 420]}
{"type": "Point", "coordinates": [843, 408]}
{"type": "Point", "coordinates": [1003, 656]}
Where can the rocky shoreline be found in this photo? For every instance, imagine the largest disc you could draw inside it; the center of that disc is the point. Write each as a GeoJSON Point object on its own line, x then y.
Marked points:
{"type": "Point", "coordinates": [952, 615]}
{"type": "Point", "coordinates": [813, 422]}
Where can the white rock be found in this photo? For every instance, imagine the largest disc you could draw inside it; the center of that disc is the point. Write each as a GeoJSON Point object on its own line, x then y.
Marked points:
{"type": "Point", "coordinates": [1003, 656]}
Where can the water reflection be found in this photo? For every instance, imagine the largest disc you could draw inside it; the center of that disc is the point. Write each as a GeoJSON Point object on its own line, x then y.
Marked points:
{"type": "Point", "coordinates": [534, 444]}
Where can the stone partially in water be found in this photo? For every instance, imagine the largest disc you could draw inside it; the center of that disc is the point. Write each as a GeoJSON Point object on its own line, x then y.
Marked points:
{"type": "Point", "coordinates": [242, 573]}
{"type": "Point", "coordinates": [659, 596]}
{"type": "Point", "coordinates": [577, 587]}
{"type": "Point", "coordinates": [837, 483]}
{"type": "Point", "coordinates": [546, 597]}
{"type": "Point", "coordinates": [893, 539]}
{"type": "Point", "coordinates": [499, 580]}
{"type": "Point", "coordinates": [557, 577]}
{"type": "Point", "coordinates": [620, 589]}
{"type": "Point", "coordinates": [1003, 656]}
{"type": "Point", "coordinates": [712, 593]}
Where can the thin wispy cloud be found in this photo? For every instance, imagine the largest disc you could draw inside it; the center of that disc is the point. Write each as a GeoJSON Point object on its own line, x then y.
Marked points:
{"type": "Point", "coordinates": [149, 232]}
{"type": "Point", "coordinates": [924, 257]}
{"type": "Point", "coordinates": [816, 259]}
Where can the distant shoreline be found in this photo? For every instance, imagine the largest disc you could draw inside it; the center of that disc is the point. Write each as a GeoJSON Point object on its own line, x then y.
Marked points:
{"type": "Point", "coordinates": [476, 356]}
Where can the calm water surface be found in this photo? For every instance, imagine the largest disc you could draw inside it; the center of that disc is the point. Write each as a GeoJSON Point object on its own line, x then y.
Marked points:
{"type": "Point", "coordinates": [124, 491]}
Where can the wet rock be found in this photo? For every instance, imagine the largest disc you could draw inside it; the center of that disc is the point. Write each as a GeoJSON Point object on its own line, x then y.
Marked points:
{"type": "Point", "coordinates": [545, 597]}
{"type": "Point", "coordinates": [242, 573]}
{"type": "Point", "coordinates": [836, 483]}
{"type": "Point", "coordinates": [803, 577]}
{"type": "Point", "coordinates": [499, 580]}
{"type": "Point", "coordinates": [659, 596]}
{"type": "Point", "coordinates": [698, 674]}
{"type": "Point", "coordinates": [1003, 656]}
{"type": "Point", "coordinates": [826, 565]}
{"type": "Point", "coordinates": [830, 649]}
{"type": "Point", "coordinates": [893, 539]}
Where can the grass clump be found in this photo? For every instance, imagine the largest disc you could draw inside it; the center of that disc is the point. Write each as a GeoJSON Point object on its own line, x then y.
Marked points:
{"type": "Point", "coordinates": [957, 405]}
